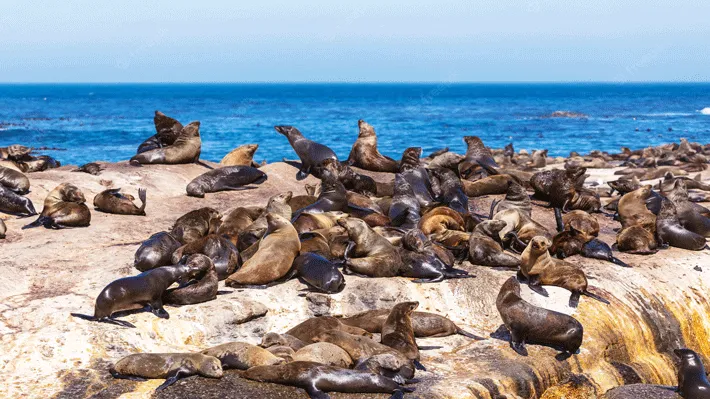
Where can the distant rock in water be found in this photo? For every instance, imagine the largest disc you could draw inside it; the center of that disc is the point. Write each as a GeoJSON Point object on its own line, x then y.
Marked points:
{"type": "Point", "coordinates": [566, 114]}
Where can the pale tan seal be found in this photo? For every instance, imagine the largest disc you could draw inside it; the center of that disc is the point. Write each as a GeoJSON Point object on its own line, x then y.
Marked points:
{"type": "Point", "coordinates": [171, 366]}
{"type": "Point", "coordinates": [242, 356]}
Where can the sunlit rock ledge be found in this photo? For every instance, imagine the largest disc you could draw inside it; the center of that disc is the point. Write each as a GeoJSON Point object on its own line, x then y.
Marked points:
{"type": "Point", "coordinates": [658, 305]}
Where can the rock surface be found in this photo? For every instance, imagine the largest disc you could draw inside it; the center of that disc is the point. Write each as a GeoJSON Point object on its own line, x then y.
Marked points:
{"type": "Point", "coordinates": [658, 305]}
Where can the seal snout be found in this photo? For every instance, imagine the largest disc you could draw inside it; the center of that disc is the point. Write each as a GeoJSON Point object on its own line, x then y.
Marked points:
{"type": "Point", "coordinates": [285, 130]}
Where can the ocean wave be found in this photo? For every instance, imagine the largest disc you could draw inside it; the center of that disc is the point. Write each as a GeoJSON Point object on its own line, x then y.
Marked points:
{"type": "Point", "coordinates": [705, 111]}
{"type": "Point", "coordinates": [666, 114]}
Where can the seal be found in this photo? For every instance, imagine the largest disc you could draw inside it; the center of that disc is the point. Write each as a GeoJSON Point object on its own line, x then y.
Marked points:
{"type": "Point", "coordinates": [186, 149]}
{"type": "Point", "coordinates": [273, 258]}
{"type": "Point", "coordinates": [404, 209]}
{"type": "Point", "coordinates": [692, 381]}
{"type": "Point", "coordinates": [277, 205]}
{"type": "Point", "coordinates": [284, 352]}
{"type": "Point", "coordinates": [691, 216]}
{"type": "Point", "coordinates": [669, 230]}
{"type": "Point", "coordinates": [307, 330]}
{"type": "Point", "coordinates": [237, 220]}
{"type": "Point", "coordinates": [397, 332]}
{"type": "Point", "coordinates": [38, 164]}
{"type": "Point", "coordinates": [421, 261]}
{"type": "Point", "coordinates": [241, 156]}
{"type": "Point", "coordinates": [203, 290]}
{"type": "Point", "coordinates": [359, 183]}
{"type": "Point", "coordinates": [145, 289]}
{"type": "Point", "coordinates": [515, 198]}
{"type": "Point", "coordinates": [310, 153]}
{"type": "Point", "coordinates": [242, 356]}
{"type": "Point", "coordinates": [309, 222]}
{"type": "Point", "coordinates": [167, 131]}
{"type": "Point", "coordinates": [477, 155]}
{"type": "Point", "coordinates": [225, 179]}
{"type": "Point", "coordinates": [451, 191]}
{"type": "Point", "coordinates": [425, 324]}
{"type": "Point", "coordinates": [324, 353]}
{"type": "Point", "coordinates": [196, 224]}
{"type": "Point", "coordinates": [557, 185]}
{"type": "Point", "coordinates": [64, 207]}
{"type": "Point", "coordinates": [530, 324]}
{"type": "Point", "coordinates": [333, 197]}
{"type": "Point", "coordinates": [112, 201]}
{"type": "Point", "coordinates": [368, 253]}
{"type": "Point", "coordinates": [14, 204]}
{"type": "Point", "coordinates": [14, 180]}
{"type": "Point", "coordinates": [274, 339]}
{"type": "Point", "coordinates": [317, 379]}
{"type": "Point", "coordinates": [15, 152]}
{"type": "Point", "coordinates": [637, 222]}
{"type": "Point", "coordinates": [156, 251]}
{"type": "Point", "coordinates": [3, 229]}
{"type": "Point", "coordinates": [171, 366]}
{"type": "Point", "coordinates": [220, 250]}
{"type": "Point", "coordinates": [364, 153]}
{"type": "Point", "coordinates": [318, 273]}
{"type": "Point", "coordinates": [540, 268]}
{"type": "Point", "coordinates": [484, 248]}
{"type": "Point", "coordinates": [416, 175]}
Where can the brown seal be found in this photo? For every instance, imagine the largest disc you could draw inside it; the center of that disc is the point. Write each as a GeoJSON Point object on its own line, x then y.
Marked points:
{"type": "Point", "coordinates": [637, 222]}
{"type": "Point", "coordinates": [397, 332]}
{"type": "Point", "coordinates": [204, 289]}
{"type": "Point", "coordinates": [308, 222]}
{"type": "Point", "coordinates": [241, 156]}
{"type": "Point", "coordinates": [333, 196]}
{"type": "Point", "coordinates": [365, 155]}
{"type": "Point", "coordinates": [317, 379]}
{"type": "Point", "coordinates": [15, 204]}
{"type": "Point", "coordinates": [519, 228]}
{"type": "Point", "coordinates": [237, 221]}
{"type": "Point", "coordinates": [307, 330]}
{"type": "Point", "coordinates": [186, 149]}
{"type": "Point", "coordinates": [310, 153]}
{"type": "Point", "coordinates": [484, 246]}
{"type": "Point", "coordinates": [14, 180]}
{"type": "Point", "coordinates": [242, 356]}
{"type": "Point", "coordinates": [670, 232]}
{"type": "Point", "coordinates": [145, 289]}
{"type": "Point", "coordinates": [477, 155]}
{"type": "Point", "coordinates": [112, 201]}
{"type": "Point", "coordinates": [540, 268]}
{"type": "Point", "coordinates": [530, 324]}
{"type": "Point", "coordinates": [220, 250]}
{"type": "Point", "coordinates": [278, 205]}
{"type": "Point", "coordinates": [275, 339]}
{"type": "Point", "coordinates": [515, 198]}
{"type": "Point", "coordinates": [196, 224]}
{"type": "Point", "coordinates": [425, 324]}
{"type": "Point", "coordinates": [64, 207]}
{"type": "Point", "coordinates": [156, 251]}
{"type": "Point", "coordinates": [284, 352]}
{"type": "Point", "coordinates": [171, 366]}
{"type": "Point", "coordinates": [3, 229]}
{"type": "Point", "coordinates": [421, 261]}
{"type": "Point", "coordinates": [369, 253]}
{"type": "Point", "coordinates": [352, 180]}
{"type": "Point", "coordinates": [557, 185]}
{"type": "Point", "coordinates": [91, 168]}
{"type": "Point", "coordinates": [273, 258]}
{"type": "Point", "coordinates": [226, 178]}
{"type": "Point", "coordinates": [692, 380]}
{"type": "Point", "coordinates": [324, 353]}
{"type": "Point", "coordinates": [167, 131]}
{"type": "Point", "coordinates": [693, 217]}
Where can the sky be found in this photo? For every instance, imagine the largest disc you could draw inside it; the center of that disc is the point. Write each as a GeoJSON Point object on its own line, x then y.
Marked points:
{"type": "Point", "coordinates": [354, 41]}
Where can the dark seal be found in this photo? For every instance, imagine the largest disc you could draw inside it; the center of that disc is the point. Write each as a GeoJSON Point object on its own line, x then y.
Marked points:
{"type": "Point", "coordinates": [225, 179]}
{"type": "Point", "coordinates": [312, 154]}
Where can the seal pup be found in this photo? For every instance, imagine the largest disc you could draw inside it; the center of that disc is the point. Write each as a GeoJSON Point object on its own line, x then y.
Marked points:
{"type": "Point", "coordinates": [489, 185]}
{"type": "Point", "coordinates": [397, 332]}
{"type": "Point", "coordinates": [167, 131]}
{"type": "Point", "coordinates": [477, 154]}
{"type": "Point", "coordinates": [310, 153]}
{"type": "Point", "coordinates": [112, 201]}
{"type": "Point", "coordinates": [324, 353]}
{"type": "Point", "coordinates": [368, 253]}
{"type": "Point", "coordinates": [307, 330]}
{"type": "Point", "coordinates": [670, 232]}
{"type": "Point", "coordinates": [416, 175]}
{"type": "Point", "coordinates": [404, 211]}
{"type": "Point", "coordinates": [156, 251]}
{"type": "Point", "coordinates": [540, 268]}
{"type": "Point", "coordinates": [196, 224]}
{"type": "Point", "coordinates": [317, 379]}
{"type": "Point", "coordinates": [425, 324]}
{"type": "Point", "coordinates": [319, 273]}
{"type": "Point", "coordinates": [241, 156]}
{"type": "Point", "coordinates": [484, 248]}
{"type": "Point", "coordinates": [203, 289]}
{"type": "Point", "coordinates": [14, 204]}
{"type": "Point", "coordinates": [226, 178]}
{"type": "Point", "coordinates": [530, 324]}
{"type": "Point", "coordinates": [364, 153]}
{"type": "Point", "coordinates": [186, 149]}
{"type": "Point", "coordinates": [273, 258]}
{"type": "Point", "coordinates": [64, 207]}
{"type": "Point", "coordinates": [692, 380]}
{"type": "Point", "coordinates": [14, 180]}
{"type": "Point", "coordinates": [145, 289]}
{"type": "Point", "coordinates": [171, 366]}
{"type": "Point", "coordinates": [242, 356]}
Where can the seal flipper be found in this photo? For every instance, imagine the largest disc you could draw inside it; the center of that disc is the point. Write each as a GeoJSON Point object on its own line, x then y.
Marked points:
{"type": "Point", "coordinates": [172, 379]}
{"type": "Point", "coordinates": [597, 297]}
{"type": "Point", "coordinates": [120, 376]}
{"type": "Point", "coordinates": [558, 220]}
{"type": "Point", "coordinates": [303, 173]}
{"type": "Point", "coordinates": [418, 365]}
{"type": "Point", "coordinates": [468, 334]}
{"type": "Point", "coordinates": [397, 395]}
{"type": "Point", "coordinates": [619, 262]}
{"type": "Point", "coordinates": [143, 197]}
{"type": "Point", "coordinates": [315, 393]}
{"type": "Point", "coordinates": [41, 221]}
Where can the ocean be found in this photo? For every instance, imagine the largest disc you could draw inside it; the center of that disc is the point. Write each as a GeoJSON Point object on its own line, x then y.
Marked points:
{"type": "Point", "coordinates": [107, 122]}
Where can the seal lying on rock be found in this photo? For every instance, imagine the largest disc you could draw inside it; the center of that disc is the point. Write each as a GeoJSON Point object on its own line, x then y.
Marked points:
{"type": "Point", "coordinates": [186, 149]}
{"type": "Point", "coordinates": [242, 356]}
{"type": "Point", "coordinates": [156, 251]}
{"type": "Point", "coordinates": [307, 330]}
{"type": "Point", "coordinates": [225, 179]}
{"type": "Point", "coordinates": [91, 168]}
{"type": "Point", "coordinates": [64, 207]}
{"type": "Point", "coordinates": [15, 204]}
{"type": "Point", "coordinates": [529, 323]}
{"type": "Point", "coordinates": [196, 224]}
{"type": "Point", "coordinates": [145, 289]}
{"type": "Point", "coordinates": [484, 248]}
{"type": "Point", "coordinates": [324, 353]}
{"type": "Point", "coordinates": [112, 201]}
{"type": "Point", "coordinates": [369, 253]}
{"type": "Point", "coordinates": [14, 180]}
{"type": "Point", "coordinates": [171, 366]}
{"type": "Point", "coordinates": [425, 324]}
{"type": "Point", "coordinates": [319, 273]}
{"type": "Point", "coordinates": [317, 379]}
{"type": "Point", "coordinates": [167, 131]}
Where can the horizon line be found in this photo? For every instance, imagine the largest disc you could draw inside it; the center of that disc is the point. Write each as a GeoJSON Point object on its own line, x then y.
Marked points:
{"type": "Point", "coordinates": [369, 82]}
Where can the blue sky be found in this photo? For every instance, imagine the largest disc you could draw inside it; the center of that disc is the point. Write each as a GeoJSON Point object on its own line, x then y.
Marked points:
{"type": "Point", "coordinates": [365, 40]}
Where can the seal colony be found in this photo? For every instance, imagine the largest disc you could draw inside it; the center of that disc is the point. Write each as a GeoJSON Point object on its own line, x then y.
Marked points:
{"type": "Point", "coordinates": [420, 225]}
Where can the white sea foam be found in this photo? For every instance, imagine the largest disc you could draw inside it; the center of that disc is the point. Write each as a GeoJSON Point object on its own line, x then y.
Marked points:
{"type": "Point", "coordinates": [705, 111]}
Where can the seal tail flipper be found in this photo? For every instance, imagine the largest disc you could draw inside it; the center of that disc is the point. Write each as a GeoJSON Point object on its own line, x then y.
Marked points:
{"type": "Point", "coordinates": [84, 316]}
{"type": "Point", "coordinates": [41, 221]}
{"type": "Point", "coordinates": [558, 220]}
{"type": "Point", "coordinates": [597, 297]}
{"type": "Point", "coordinates": [619, 262]}
{"type": "Point", "coordinates": [120, 376]}
{"type": "Point", "coordinates": [121, 323]}
{"type": "Point", "coordinates": [143, 197]}
{"type": "Point", "coordinates": [469, 335]}
{"type": "Point", "coordinates": [315, 393]}
{"type": "Point", "coordinates": [418, 365]}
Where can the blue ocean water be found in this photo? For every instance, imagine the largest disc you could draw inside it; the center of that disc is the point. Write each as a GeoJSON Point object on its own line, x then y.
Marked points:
{"type": "Point", "coordinates": [108, 121]}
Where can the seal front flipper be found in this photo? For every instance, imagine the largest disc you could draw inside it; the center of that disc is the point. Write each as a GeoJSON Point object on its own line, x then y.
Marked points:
{"type": "Point", "coordinates": [469, 335]}
{"type": "Point", "coordinates": [41, 221]}
{"type": "Point", "coordinates": [173, 379]}
{"type": "Point", "coordinates": [303, 173]}
{"type": "Point", "coordinates": [315, 393]}
{"type": "Point", "coordinates": [597, 297]}
{"type": "Point", "coordinates": [418, 365]}
{"type": "Point", "coordinates": [619, 262]}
